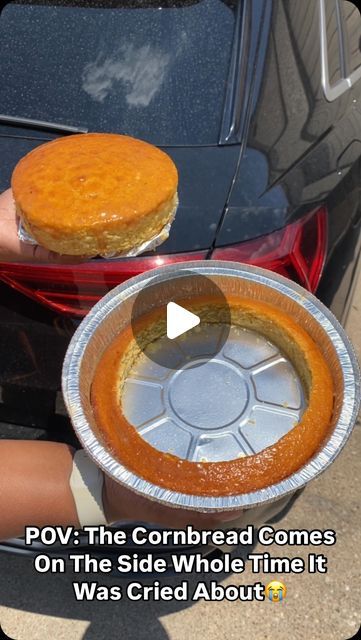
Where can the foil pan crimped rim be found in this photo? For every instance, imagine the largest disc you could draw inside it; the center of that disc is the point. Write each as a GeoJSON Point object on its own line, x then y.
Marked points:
{"type": "Point", "coordinates": [103, 458]}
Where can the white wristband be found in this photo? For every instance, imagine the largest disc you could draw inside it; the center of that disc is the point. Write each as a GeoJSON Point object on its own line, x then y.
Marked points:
{"type": "Point", "coordinates": [86, 483]}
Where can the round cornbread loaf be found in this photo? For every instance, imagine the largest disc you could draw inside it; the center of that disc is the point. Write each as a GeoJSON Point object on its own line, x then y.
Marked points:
{"type": "Point", "coordinates": [96, 193]}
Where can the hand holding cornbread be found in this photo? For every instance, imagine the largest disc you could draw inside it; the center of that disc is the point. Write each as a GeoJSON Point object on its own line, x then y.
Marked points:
{"type": "Point", "coordinates": [12, 249]}
{"type": "Point", "coordinates": [95, 194]}
{"type": "Point", "coordinates": [88, 195]}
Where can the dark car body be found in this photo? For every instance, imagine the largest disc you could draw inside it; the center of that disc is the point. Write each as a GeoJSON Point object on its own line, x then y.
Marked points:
{"type": "Point", "coordinates": [259, 104]}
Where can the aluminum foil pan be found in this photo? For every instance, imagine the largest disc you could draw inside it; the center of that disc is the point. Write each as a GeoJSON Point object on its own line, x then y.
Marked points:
{"type": "Point", "coordinates": [275, 391]}
{"type": "Point", "coordinates": [150, 245]}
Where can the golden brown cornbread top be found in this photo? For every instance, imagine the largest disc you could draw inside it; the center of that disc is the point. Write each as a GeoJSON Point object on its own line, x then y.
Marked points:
{"type": "Point", "coordinates": [95, 179]}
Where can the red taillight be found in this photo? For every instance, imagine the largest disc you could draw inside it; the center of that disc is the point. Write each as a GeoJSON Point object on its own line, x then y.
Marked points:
{"type": "Point", "coordinates": [74, 289]}
{"type": "Point", "coordinates": [296, 251]}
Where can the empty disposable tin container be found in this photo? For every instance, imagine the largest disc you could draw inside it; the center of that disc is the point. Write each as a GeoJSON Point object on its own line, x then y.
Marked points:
{"type": "Point", "coordinates": [228, 392]}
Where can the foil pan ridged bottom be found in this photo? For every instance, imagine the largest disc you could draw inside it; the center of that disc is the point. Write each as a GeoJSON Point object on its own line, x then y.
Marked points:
{"type": "Point", "coordinates": [113, 313]}
{"type": "Point", "coordinates": [221, 403]}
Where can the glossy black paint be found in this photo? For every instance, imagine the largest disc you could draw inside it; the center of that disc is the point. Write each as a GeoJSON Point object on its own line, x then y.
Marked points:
{"type": "Point", "coordinates": [282, 151]}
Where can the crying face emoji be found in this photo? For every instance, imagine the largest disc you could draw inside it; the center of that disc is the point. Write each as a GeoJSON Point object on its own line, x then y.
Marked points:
{"type": "Point", "coordinates": [276, 591]}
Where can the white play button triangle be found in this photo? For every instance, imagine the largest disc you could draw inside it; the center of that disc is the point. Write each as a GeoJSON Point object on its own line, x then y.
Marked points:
{"type": "Point", "coordinates": [179, 320]}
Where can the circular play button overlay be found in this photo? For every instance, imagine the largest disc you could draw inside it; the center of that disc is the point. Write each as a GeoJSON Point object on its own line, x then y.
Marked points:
{"type": "Point", "coordinates": [180, 322]}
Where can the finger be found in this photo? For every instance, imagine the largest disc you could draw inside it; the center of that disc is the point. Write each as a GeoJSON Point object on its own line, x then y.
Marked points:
{"type": "Point", "coordinates": [62, 259]}
{"type": "Point", "coordinates": [41, 255]}
{"type": "Point", "coordinates": [7, 203]}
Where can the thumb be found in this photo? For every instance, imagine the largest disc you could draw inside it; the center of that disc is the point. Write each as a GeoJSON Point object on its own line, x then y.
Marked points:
{"type": "Point", "coordinates": [40, 254]}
